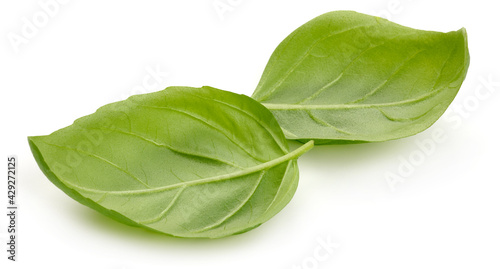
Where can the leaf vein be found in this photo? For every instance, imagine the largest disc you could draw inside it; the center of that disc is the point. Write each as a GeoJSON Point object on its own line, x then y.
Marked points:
{"type": "Point", "coordinates": [169, 206]}
{"type": "Point", "coordinates": [103, 160]}
{"type": "Point", "coordinates": [237, 209]}
{"type": "Point", "coordinates": [326, 124]}
{"type": "Point", "coordinates": [372, 92]}
{"type": "Point", "coordinates": [257, 120]}
{"type": "Point", "coordinates": [247, 171]}
{"type": "Point", "coordinates": [303, 57]}
{"type": "Point", "coordinates": [207, 124]}
{"type": "Point", "coordinates": [169, 147]}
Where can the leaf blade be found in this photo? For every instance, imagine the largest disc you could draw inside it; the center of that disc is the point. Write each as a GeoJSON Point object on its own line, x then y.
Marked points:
{"type": "Point", "coordinates": [347, 77]}
{"type": "Point", "coordinates": [179, 173]}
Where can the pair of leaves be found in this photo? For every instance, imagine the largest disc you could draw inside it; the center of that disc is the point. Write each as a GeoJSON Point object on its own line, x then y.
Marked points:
{"type": "Point", "coordinates": [201, 162]}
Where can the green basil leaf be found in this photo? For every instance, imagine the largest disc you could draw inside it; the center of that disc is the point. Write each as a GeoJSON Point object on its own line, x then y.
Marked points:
{"type": "Point", "coordinates": [188, 162]}
{"type": "Point", "coordinates": [347, 77]}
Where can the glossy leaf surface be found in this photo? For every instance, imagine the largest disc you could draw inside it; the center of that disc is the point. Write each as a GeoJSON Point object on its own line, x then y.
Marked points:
{"type": "Point", "coordinates": [348, 77]}
{"type": "Point", "coordinates": [189, 162]}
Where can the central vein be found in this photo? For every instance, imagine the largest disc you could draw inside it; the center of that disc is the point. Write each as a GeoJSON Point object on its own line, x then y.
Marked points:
{"type": "Point", "coordinates": [247, 171]}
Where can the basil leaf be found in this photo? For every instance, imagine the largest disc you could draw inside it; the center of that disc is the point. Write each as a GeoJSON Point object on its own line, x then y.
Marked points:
{"type": "Point", "coordinates": [189, 162]}
{"type": "Point", "coordinates": [346, 77]}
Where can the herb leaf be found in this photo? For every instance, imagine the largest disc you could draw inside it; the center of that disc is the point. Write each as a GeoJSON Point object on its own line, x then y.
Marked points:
{"type": "Point", "coordinates": [347, 77]}
{"type": "Point", "coordinates": [189, 162]}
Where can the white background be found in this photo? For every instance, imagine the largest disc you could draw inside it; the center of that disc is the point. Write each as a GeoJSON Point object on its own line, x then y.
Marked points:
{"type": "Point", "coordinates": [445, 214]}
